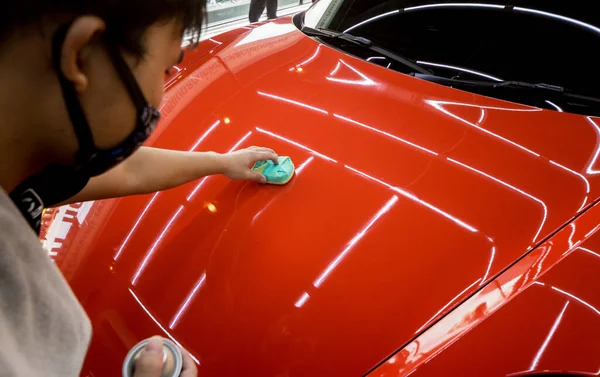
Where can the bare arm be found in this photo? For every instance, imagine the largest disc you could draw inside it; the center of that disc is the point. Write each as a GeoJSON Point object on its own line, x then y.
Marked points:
{"type": "Point", "coordinates": [151, 169]}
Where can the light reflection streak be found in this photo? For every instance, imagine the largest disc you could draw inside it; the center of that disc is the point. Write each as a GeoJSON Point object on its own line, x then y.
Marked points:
{"type": "Point", "coordinates": [585, 181]}
{"type": "Point", "coordinates": [236, 146]}
{"type": "Point", "coordinates": [590, 252]}
{"type": "Point", "coordinates": [187, 301]}
{"type": "Point", "coordinates": [153, 248]}
{"type": "Point", "coordinates": [592, 231]}
{"type": "Point", "coordinates": [584, 303]}
{"type": "Point", "coordinates": [304, 165]}
{"type": "Point", "coordinates": [211, 129]}
{"type": "Point", "coordinates": [158, 323]}
{"type": "Point", "coordinates": [454, 5]}
{"type": "Point", "coordinates": [590, 169]}
{"type": "Point", "coordinates": [189, 198]}
{"type": "Point", "coordinates": [372, 19]}
{"type": "Point", "coordinates": [559, 17]}
{"type": "Point", "coordinates": [385, 134]}
{"type": "Point", "coordinates": [542, 260]}
{"type": "Point", "coordinates": [311, 58]}
{"type": "Point", "coordinates": [555, 106]}
{"type": "Point", "coordinates": [480, 120]}
{"type": "Point", "coordinates": [354, 241]}
{"type": "Point", "coordinates": [215, 41]}
{"type": "Point", "coordinates": [366, 81]}
{"type": "Point", "coordinates": [135, 226]}
{"type": "Point", "coordinates": [292, 102]}
{"type": "Point", "coordinates": [489, 267]}
{"type": "Point", "coordinates": [572, 225]}
{"type": "Point", "coordinates": [302, 300]}
{"type": "Point", "coordinates": [436, 105]}
{"type": "Point", "coordinates": [447, 305]}
{"type": "Point", "coordinates": [476, 73]}
{"type": "Point", "coordinates": [416, 199]}
{"type": "Point", "coordinates": [542, 349]}
{"type": "Point", "coordinates": [296, 144]}
{"type": "Point", "coordinates": [337, 67]}
{"type": "Point", "coordinates": [545, 208]}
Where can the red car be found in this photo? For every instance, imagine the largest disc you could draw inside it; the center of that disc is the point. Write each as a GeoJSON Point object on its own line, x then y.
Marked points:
{"type": "Point", "coordinates": [442, 221]}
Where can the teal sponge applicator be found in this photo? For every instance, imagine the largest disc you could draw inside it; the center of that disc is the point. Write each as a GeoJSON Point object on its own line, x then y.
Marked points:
{"type": "Point", "coordinates": [276, 174]}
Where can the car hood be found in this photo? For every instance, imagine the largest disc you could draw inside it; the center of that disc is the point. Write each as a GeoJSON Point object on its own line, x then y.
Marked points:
{"type": "Point", "coordinates": [408, 197]}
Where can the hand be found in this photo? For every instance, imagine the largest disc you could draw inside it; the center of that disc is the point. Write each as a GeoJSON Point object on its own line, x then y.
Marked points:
{"type": "Point", "coordinates": [150, 362]}
{"type": "Point", "coordinates": [238, 165]}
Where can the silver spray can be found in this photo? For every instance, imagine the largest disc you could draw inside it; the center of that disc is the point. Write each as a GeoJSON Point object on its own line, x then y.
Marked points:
{"type": "Point", "coordinates": [172, 359]}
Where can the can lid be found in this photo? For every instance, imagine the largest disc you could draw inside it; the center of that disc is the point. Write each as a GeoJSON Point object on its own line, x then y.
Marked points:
{"type": "Point", "coordinates": [172, 359]}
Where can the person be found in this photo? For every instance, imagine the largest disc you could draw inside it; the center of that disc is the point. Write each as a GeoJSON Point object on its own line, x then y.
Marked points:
{"type": "Point", "coordinates": [80, 85]}
{"type": "Point", "coordinates": [258, 6]}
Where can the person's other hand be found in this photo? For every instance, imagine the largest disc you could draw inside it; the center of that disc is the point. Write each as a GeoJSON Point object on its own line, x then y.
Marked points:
{"type": "Point", "coordinates": [150, 362]}
{"type": "Point", "coordinates": [238, 165]}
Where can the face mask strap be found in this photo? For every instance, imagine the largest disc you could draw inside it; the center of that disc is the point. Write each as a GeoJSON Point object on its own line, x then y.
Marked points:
{"type": "Point", "coordinates": [76, 114]}
{"type": "Point", "coordinates": [124, 72]}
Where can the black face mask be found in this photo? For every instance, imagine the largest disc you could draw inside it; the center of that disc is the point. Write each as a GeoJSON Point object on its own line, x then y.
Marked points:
{"type": "Point", "coordinates": [57, 183]}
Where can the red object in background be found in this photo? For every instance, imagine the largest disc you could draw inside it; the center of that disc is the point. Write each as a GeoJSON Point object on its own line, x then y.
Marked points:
{"type": "Point", "coordinates": [396, 241]}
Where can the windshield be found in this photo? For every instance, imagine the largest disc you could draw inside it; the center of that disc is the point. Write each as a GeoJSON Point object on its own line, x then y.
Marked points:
{"type": "Point", "coordinates": [535, 41]}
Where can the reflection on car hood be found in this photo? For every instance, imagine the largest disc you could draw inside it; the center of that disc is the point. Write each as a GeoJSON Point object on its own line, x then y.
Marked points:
{"type": "Point", "coordinates": [409, 196]}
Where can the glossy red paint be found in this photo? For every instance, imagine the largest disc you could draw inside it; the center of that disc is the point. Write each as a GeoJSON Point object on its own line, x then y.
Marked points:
{"type": "Point", "coordinates": [541, 316]}
{"type": "Point", "coordinates": [409, 197]}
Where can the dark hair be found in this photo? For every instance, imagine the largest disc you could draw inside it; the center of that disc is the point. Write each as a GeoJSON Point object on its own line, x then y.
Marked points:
{"type": "Point", "coordinates": [126, 20]}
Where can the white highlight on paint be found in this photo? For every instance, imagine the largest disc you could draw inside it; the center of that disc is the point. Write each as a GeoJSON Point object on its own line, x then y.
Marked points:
{"type": "Point", "coordinates": [481, 117]}
{"type": "Point", "coordinates": [544, 207]}
{"type": "Point", "coordinates": [304, 165]}
{"type": "Point", "coordinates": [236, 146]}
{"type": "Point", "coordinates": [208, 132]}
{"type": "Point", "coordinates": [572, 225]}
{"type": "Point", "coordinates": [296, 144]}
{"type": "Point", "coordinates": [118, 254]}
{"type": "Point", "coordinates": [187, 301]}
{"type": "Point", "coordinates": [337, 67]}
{"type": "Point", "coordinates": [372, 19]}
{"type": "Point", "coordinates": [354, 241]}
{"type": "Point", "coordinates": [581, 176]}
{"type": "Point", "coordinates": [542, 349]}
{"type": "Point", "coordinates": [302, 300]}
{"type": "Point", "coordinates": [489, 267]}
{"type": "Point", "coordinates": [590, 169]}
{"type": "Point", "coordinates": [292, 102]}
{"type": "Point", "coordinates": [476, 73]}
{"type": "Point", "coordinates": [158, 323]}
{"type": "Point", "coordinates": [437, 105]}
{"type": "Point", "coordinates": [416, 199]}
{"type": "Point", "coordinates": [584, 303]}
{"type": "Point", "coordinates": [447, 305]}
{"type": "Point", "coordinates": [365, 80]}
{"type": "Point", "coordinates": [385, 134]}
{"type": "Point", "coordinates": [193, 193]}
{"type": "Point", "coordinates": [555, 106]}
{"type": "Point", "coordinates": [590, 252]}
{"type": "Point", "coordinates": [311, 58]}
{"type": "Point", "coordinates": [153, 248]}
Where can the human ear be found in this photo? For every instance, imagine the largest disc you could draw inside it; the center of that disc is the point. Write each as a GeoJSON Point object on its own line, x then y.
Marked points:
{"type": "Point", "coordinates": [82, 32]}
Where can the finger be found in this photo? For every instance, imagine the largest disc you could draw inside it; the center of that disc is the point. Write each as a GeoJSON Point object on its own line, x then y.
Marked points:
{"type": "Point", "coordinates": [264, 149]}
{"type": "Point", "coordinates": [256, 177]}
{"type": "Point", "coordinates": [264, 156]}
{"type": "Point", "coordinates": [189, 366]}
{"type": "Point", "coordinates": [150, 362]}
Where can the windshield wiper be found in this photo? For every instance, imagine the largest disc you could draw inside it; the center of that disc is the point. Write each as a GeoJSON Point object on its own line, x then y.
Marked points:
{"type": "Point", "coordinates": [365, 43]}
{"type": "Point", "coordinates": [542, 88]}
